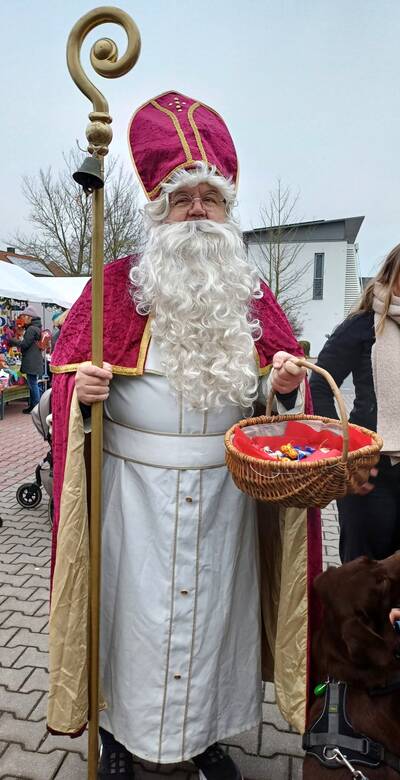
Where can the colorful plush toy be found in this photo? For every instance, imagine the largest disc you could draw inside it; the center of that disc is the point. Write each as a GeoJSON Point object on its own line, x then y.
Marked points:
{"type": "Point", "coordinates": [45, 340]}
{"type": "Point", "coordinates": [5, 335]}
{"type": "Point", "coordinates": [20, 324]}
{"type": "Point", "coordinates": [13, 356]}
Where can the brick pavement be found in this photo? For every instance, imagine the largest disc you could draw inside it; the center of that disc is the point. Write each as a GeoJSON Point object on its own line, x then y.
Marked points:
{"type": "Point", "coordinates": [270, 752]}
{"type": "Point", "coordinates": [21, 445]}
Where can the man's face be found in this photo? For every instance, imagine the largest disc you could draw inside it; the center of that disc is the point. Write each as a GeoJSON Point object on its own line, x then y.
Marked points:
{"type": "Point", "coordinates": [200, 202]}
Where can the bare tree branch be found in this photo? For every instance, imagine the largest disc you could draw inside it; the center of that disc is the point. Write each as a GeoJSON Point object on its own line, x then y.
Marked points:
{"type": "Point", "coordinates": [278, 250]}
{"type": "Point", "coordinates": [60, 215]}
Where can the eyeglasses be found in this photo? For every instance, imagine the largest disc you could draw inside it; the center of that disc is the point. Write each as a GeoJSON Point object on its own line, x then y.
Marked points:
{"type": "Point", "coordinates": [184, 201]}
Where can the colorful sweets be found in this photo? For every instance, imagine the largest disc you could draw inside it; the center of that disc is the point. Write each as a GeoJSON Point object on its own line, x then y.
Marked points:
{"type": "Point", "coordinates": [290, 452]}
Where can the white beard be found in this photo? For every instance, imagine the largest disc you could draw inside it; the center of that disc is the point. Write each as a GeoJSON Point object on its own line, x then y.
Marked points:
{"type": "Point", "coordinates": [195, 280]}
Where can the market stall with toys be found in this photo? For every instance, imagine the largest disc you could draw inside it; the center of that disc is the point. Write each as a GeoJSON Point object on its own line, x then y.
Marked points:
{"type": "Point", "coordinates": [13, 385]}
{"type": "Point", "coordinates": [17, 288]}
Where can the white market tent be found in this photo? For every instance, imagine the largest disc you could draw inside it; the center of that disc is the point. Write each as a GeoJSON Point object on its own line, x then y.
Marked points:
{"type": "Point", "coordinates": [64, 289]}
{"type": "Point", "coordinates": [17, 283]}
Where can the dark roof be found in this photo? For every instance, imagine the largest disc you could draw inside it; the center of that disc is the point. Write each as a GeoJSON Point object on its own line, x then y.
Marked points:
{"type": "Point", "coordinates": [33, 265]}
{"type": "Point", "coordinates": [345, 229]}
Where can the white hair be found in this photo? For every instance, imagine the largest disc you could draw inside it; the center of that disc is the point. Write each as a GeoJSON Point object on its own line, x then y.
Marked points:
{"type": "Point", "coordinates": [158, 210]}
{"type": "Point", "coordinates": [194, 279]}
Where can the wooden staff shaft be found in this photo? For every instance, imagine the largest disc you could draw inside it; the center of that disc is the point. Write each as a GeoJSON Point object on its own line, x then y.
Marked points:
{"type": "Point", "coordinates": [96, 482]}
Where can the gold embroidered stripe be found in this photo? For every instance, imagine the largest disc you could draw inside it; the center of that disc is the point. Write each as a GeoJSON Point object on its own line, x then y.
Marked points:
{"type": "Point", "coordinates": [122, 370]}
{"type": "Point", "coordinates": [177, 126]}
{"type": "Point", "coordinates": [194, 127]}
{"type": "Point", "coordinates": [179, 167]}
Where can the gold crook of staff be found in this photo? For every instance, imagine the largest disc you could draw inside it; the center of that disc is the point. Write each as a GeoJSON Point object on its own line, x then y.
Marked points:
{"type": "Point", "coordinates": [104, 59]}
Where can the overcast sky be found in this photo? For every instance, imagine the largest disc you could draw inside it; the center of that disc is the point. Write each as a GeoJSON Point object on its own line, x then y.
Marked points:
{"type": "Point", "coordinates": [309, 90]}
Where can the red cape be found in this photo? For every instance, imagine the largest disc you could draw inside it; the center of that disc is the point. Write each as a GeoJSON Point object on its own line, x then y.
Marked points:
{"type": "Point", "coordinates": [126, 339]}
{"type": "Point", "coordinates": [124, 348]}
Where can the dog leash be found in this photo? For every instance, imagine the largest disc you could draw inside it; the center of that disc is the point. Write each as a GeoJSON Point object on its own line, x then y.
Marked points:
{"type": "Point", "coordinates": [332, 737]}
{"type": "Point", "coordinates": [335, 754]}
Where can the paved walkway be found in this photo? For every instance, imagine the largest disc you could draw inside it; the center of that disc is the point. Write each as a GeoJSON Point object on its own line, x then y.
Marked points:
{"type": "Point", "coordinates": [270, 752]}
{"type": "Point", "coordinates": [21, 446]}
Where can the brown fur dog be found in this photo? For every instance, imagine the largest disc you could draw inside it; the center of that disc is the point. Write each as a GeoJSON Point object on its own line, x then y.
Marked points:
{"type": "Point", "coordinates": [357, 645]}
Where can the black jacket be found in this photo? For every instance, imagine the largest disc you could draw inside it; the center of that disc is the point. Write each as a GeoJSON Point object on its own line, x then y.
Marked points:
{"type": "Point", "coordinates": [348, 351]}
{"type": "Point", "coordinates": [32, 359]}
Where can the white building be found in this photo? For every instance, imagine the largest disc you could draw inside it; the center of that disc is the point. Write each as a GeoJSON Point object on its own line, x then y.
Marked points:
{"type": "Point", "coordinates": [323, 268]}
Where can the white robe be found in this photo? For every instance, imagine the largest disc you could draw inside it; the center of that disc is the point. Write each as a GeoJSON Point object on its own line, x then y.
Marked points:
{"type": "Point", "coordinates": [180, 622]}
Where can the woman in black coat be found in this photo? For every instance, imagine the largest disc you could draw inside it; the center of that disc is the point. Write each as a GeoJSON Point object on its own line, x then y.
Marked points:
{"type": "Point", "coordinates": [367, 346]}
{"type": "Point", "coordinates": [32, 358]}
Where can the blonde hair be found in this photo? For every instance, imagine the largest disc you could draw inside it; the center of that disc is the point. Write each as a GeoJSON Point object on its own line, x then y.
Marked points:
{"type": "Point", "coordinates": [387, 276]}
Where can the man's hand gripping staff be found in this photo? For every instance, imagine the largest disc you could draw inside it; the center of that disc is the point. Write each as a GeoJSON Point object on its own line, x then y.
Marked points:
{"type": "Point", "coordinates": [93, 383]}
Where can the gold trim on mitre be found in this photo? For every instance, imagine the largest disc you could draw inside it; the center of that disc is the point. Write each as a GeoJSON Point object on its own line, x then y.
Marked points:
{"type": "Point", "coordinates": [195, 129]}
{"type": "Point", "coordinates": [180, 167]}
{"type": "Point", "coordinates": [190, 162]}
{"type": "Point", "coordinates": [175, 121]}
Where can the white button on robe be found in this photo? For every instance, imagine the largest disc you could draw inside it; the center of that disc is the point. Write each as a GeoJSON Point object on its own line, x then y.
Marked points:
{"type": "Point", "coordinates": [180, 615]}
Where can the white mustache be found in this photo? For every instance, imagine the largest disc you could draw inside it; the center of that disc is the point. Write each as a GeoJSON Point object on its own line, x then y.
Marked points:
{"type": "Point", "coordinates": [176, 235]}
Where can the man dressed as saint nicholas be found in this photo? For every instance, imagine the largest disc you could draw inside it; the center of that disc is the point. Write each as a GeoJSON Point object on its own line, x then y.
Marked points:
{"type": "Point", "coordinates": [196, 579]}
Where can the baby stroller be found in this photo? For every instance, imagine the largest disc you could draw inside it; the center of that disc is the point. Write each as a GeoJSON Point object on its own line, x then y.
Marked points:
{"type": "Point", "coordinates": [29, 495]}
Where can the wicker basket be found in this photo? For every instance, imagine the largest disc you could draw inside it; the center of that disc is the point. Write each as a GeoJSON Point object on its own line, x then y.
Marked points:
{"type": "Point", "coordinates": [302, 483]}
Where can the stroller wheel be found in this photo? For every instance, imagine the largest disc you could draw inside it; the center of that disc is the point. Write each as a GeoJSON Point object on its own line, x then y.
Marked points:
{"type": "Point", "coordinates": [29, 495]}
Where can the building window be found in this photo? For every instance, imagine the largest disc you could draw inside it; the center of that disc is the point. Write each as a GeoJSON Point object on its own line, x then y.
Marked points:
{"type": "Point", "coordinates": [318, 284]}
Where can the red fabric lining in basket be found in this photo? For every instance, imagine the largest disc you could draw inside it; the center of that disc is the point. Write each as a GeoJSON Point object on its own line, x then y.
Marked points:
{"type": "Point", "coordinates": [300, 434]}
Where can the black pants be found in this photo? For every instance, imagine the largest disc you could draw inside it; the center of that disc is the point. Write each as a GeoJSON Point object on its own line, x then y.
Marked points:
{"type": "Point", "coordinates": [370, 525]}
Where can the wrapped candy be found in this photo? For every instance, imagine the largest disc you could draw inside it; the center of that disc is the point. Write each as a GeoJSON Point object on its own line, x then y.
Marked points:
{"type": "Point", "coordinates": [277, 454]}
{"type": "Point", "coordinates": [290, 451]}
{"type": "Point", "coordinates": [303, 452]}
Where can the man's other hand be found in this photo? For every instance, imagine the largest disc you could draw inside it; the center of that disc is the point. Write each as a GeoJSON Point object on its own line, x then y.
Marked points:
{"type": "Point", "coordinates": [394, 614]}
{"type": "Point", "coordinates": [93, 383]}
{"type": "Point", "coordinates": [286, 375]}
{"type": "Point", "coordinates": [360, 482]}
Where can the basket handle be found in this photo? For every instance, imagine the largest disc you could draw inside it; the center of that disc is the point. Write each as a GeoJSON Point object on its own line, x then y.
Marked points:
{"type": "Point", "coordinates": [336, 393]}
